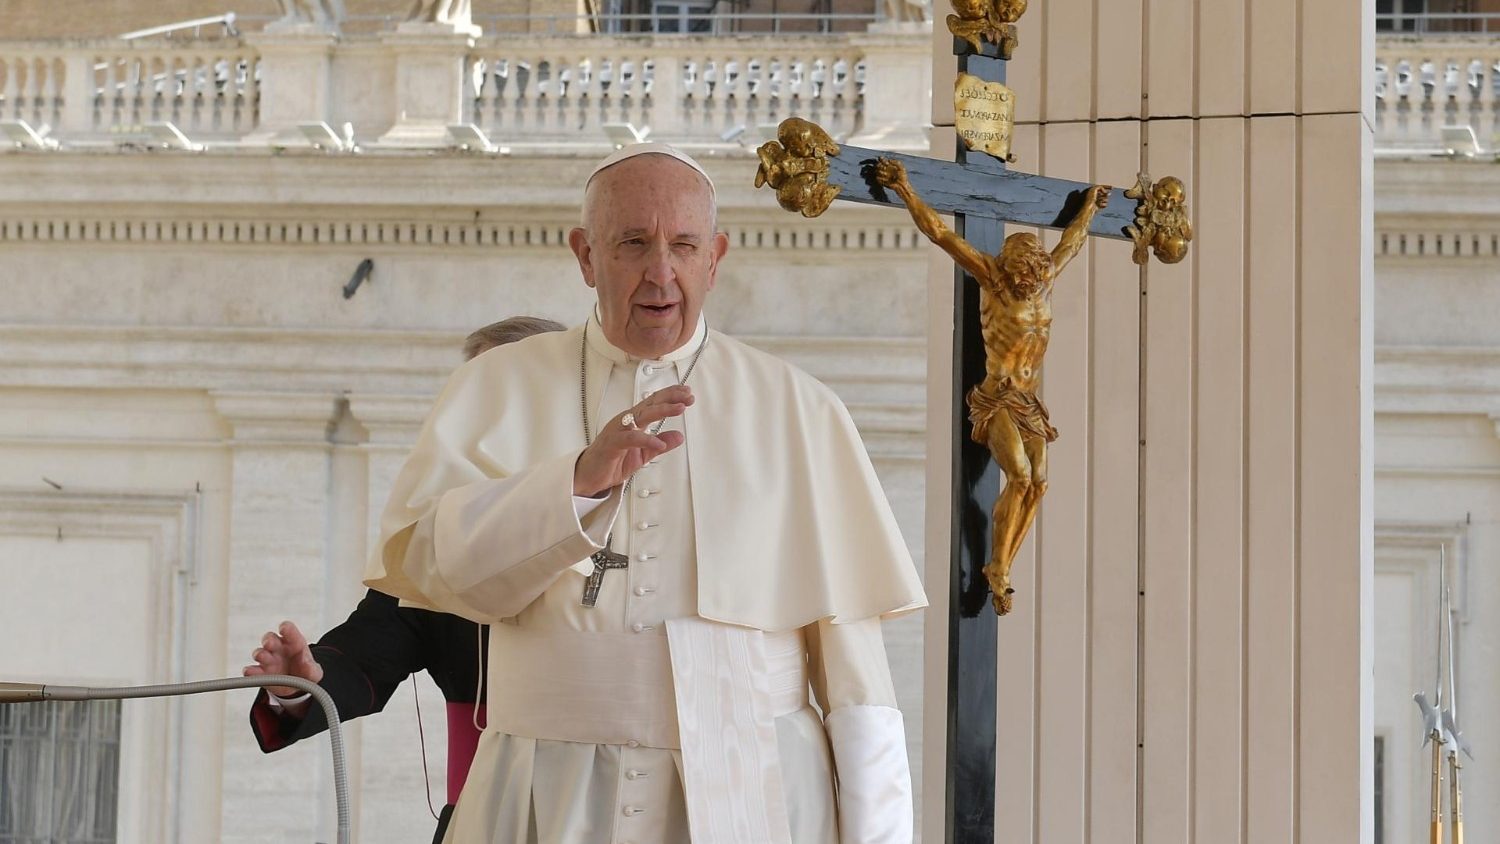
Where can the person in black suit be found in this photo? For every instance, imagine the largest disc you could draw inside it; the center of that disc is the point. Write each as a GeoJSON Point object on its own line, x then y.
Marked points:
{"type": "Point", "coordinates": [361, 662]}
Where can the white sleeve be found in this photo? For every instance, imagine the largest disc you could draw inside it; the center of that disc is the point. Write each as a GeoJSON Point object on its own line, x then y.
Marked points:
{"type": "Point", "coordinates": [851, 681]}
{"type": "Point", "coordinates": [869, 752]}
{"type": "Point", "coordinates": [492, 547]}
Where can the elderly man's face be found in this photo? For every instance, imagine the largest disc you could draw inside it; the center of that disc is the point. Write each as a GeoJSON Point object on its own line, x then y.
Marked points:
{"type": "Point", "coordinates": [649, 250]}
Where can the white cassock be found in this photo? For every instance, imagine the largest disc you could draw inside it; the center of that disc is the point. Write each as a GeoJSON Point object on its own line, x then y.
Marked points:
{"type": "Point", "coordinates": [762, 556]}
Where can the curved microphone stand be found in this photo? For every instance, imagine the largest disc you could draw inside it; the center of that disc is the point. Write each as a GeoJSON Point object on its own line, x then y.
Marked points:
{"type": "Point", "coordinates": [35, 692]}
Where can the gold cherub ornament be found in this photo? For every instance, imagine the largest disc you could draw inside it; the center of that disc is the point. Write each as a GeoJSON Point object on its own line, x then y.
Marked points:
{"type": "Point", "coordinates": [1015, 312]}
{"type": "Point", "coordinates": [1161, 220]}
{"type": "Point", "coordinates": [795, 165]}
{"type": "Point", "coordinates": [987, 20]}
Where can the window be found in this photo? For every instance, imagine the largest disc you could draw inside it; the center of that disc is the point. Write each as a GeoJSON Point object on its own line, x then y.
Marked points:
{"type": "Point", "coordinates": [682, 16]}
{"type": "Point", "coordinates": [1398, 15]}
{"type": "Point", "coordinates": [59, 772]}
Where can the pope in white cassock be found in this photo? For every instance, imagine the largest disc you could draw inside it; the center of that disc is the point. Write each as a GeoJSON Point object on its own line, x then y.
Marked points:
{"type": "Point", "coordinates": [674, 536]}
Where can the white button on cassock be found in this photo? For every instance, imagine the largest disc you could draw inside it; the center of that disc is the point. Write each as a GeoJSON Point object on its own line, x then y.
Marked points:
{"type": "Point", "coordinates": [643, 591]}
{"type": "Point", "coordinates": [632, 811]}
{"type": "Point", "coordinates": [633, 774]}
{"type": "Point", "coordinates": [632, 743]}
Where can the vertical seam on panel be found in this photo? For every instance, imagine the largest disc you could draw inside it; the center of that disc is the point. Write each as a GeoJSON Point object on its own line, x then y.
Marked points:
{"type": "Point", "coordinates": [1038, 542]}
{"type": "Point", "coordinates": [1088, 501]}
{"type": "Point", "coordinates": [1247, 73]}
{"type": "Point", "coordinates": [1145, 101]}
{"type": "Point", "coordinates": [1297, 90]}
{"type": "Point", "coordinates": [1038, 586]}
{"type": "Point", "coordinates": [1298, 163]}
{"type": "Point", "coordinates": [1194, 301]}
{"type": "Point", "coordinates": [1142, 342]}
{"type": "Point", "coordinates": [1197, 62]}
{"type": "Point", "coordinates": [1041, 106]}
{"type": "Point", "coordinates": [1245, 469]}
{"type": "Point", "coordinates": [1094, 75]}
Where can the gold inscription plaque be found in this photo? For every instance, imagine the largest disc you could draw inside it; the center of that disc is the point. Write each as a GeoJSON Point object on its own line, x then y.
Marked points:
{"type": "Point", "coordinates": [984, 113]}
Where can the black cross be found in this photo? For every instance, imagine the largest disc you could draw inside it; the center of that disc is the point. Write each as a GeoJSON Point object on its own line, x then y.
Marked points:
{"type": "Point", "coordinates": [604, 560]}
{"type": "Point", "coordinates": [983, 195]}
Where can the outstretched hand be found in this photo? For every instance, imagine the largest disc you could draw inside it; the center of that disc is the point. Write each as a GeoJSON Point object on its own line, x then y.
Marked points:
{"type": "Point", "coordinates": [284, 651]}
{"type": "Point", "coordinates": [619, 450]}
{"type": "Point", "coordinates": [890, 173]}
{"type": "Point", "coordinates": [1099, 195]}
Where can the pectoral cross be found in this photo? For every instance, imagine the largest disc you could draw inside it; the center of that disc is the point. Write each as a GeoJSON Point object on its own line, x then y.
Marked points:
{"type": "Point", "coordinates": [604, 560]}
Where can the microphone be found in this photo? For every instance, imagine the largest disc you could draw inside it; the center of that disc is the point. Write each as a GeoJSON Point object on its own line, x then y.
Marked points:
{"type": "Point", "coordinates": [37, 692]}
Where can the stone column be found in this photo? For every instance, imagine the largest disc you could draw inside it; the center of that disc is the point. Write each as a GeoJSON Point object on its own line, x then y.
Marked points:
{"type": "Point", "coordinates": [391, 798]}
{"type": "Point", "coordinates": [430, 61]}
{"type": "Point", "coordinates": [78, 96]}
{"type": "Point", "coordinates": [898, 77]}
{"type": "Point", "coordinates": [277, 571]}
{"type": "Point", "coordinates": [296, 66]}
{"type": "Point", "coordinates": [666, 98]}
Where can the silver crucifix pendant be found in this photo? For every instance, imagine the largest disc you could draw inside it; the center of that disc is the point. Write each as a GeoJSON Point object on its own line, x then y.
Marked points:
{"type": "Point", "coordinates": [604, 560]}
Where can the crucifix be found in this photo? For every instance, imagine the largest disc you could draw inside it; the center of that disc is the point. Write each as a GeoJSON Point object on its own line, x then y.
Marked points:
{"type": "Point", "coordinates": [604, 560]}
{"type": "Point", "coordinates": [1002, 324]}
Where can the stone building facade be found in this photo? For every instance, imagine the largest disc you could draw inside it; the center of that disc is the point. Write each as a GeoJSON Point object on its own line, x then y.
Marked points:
{"type": "Point", "coordinates": [198, 426]}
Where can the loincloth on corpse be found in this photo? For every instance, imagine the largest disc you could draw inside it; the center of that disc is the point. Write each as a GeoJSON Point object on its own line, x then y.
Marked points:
{"type": "Point", "coordinates": [1025, 409]}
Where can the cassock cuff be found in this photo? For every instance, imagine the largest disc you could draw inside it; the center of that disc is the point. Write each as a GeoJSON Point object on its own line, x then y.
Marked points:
{"type": "Point", "coordinates": [294, 706]}
{"type": "Point", "coordinates": [869, 753]}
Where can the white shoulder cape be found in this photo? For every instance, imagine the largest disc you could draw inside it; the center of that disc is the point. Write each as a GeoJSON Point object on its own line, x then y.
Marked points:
{"type": "Point", "coordinates": [791, 525]}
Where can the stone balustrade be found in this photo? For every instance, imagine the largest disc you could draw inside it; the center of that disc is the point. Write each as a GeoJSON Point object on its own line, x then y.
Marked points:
{"type": "Point", "coordinates": [404, 88]}
{"type": "Point", "coordinates": [1423, 83]}
{"type": "Point", "coordinates": [698, 89]}
{"type": "Point", "coordinates": [210, 88]}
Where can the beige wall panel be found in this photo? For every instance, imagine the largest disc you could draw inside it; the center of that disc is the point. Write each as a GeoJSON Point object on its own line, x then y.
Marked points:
{"type": "Point", "coordinates": [1272, 70]}
{"type": "Point", "coordinates": [1335, 39]}
{"type": "Point", "coordinates": [1170, 58]}
{"type": "Point", "coordinates": [1167, 628]}
{"type": "Point", "coordinates": [1067, 54]}
{"type": "Point", "coordinates": [1024, 72]}
{"type": "Point", "coordinates": [1114, 499]}
{"type": "Point", "coordinates": [1219, 537]}
{"type": "Point", "coordinates": [1335, 362]}
{"type": "Point", "coordinates": [944, 67]}
{"type": "Point", "coordinates": [1271, 481]}
{"type": "Point", "coordinates": [1062, 531]}
{"type": "Point", "coordinates": [1017, 734]}
{"type": "Point", "coordinates": [1117, 65]}
{"type": "Point", "coordinates": [1222, 40]}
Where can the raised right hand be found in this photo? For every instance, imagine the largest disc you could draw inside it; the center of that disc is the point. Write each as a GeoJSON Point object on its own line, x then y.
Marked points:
{"type": "Point", "coordinates": [284, 651]}
{"type": "Point", "coordinates": [617, 451]}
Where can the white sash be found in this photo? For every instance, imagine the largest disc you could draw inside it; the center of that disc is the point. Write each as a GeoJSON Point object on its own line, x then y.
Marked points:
{"type": "Point", "coordinates": [731, 765]}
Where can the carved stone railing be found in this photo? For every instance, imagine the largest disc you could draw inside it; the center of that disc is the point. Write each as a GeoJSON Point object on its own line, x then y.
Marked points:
{"type": "Point", "coordinates": [405, 88]}
{"type": "Point", "coordinates": [1423, 83]}
{"type": "Point", "coordinates": [209, 89]}
{"type": "Point", "coordinates": [689, 89]}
